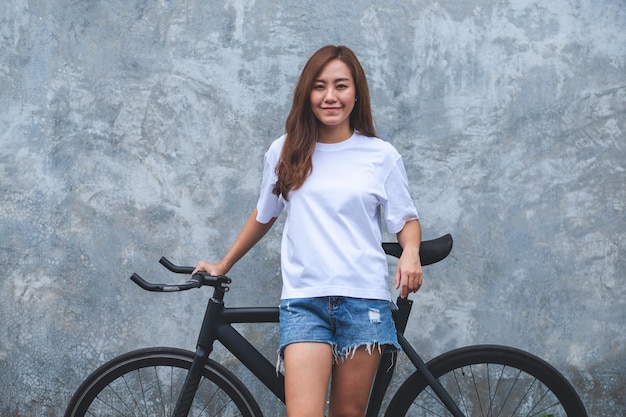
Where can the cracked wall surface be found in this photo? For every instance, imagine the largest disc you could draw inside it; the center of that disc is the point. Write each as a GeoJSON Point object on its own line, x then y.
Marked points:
{"type": "Point", "coordinates": [135, 129]}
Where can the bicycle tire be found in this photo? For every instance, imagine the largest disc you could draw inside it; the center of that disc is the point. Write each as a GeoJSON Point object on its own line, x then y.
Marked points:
{"type": "Point", "coordinates": [146, 382]}
{"type": "Point", "coordinates": [487, 380]}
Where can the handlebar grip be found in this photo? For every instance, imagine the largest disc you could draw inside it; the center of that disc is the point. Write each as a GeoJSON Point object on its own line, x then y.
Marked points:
{"type": "Point", "coordinates": [148, 286]}
{"type": "Point", "coordinates": [175, 268]}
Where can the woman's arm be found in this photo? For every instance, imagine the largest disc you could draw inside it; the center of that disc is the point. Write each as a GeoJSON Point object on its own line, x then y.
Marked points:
{"type": "Point", "coordinates": [409, 270]}
{"type": "Point", "coordinates": [250, 234]}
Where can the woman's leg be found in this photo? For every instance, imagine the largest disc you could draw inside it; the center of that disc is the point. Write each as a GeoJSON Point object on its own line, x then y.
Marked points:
{"type": "Point", "coordinates": [307, 373]}
{"type": "Point", "coordinates": [351, 383]}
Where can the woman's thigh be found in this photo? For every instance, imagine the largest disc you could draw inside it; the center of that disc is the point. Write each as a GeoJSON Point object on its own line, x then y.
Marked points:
{"type": "Point", "coordinates": [307, 373]}
{"type": "Point", "coordinates": [351, 382]}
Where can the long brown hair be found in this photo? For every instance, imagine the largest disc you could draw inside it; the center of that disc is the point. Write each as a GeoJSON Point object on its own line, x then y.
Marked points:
{"type": "Point", "coordinates": [295, 163]}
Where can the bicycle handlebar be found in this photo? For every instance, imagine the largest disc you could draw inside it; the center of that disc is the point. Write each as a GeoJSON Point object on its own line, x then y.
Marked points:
{"type": "Point", "coordinates": [198, 280]}
{"type": "Point", "coordinates": [431, 251]}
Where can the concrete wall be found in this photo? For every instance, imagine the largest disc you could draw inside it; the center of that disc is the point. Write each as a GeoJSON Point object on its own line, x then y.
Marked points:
{"type": "Point", "coordinates": [131, 129]}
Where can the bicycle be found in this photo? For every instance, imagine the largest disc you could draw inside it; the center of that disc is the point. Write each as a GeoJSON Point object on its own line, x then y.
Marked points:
{"type": "Point", "coordinates": [483, 380]}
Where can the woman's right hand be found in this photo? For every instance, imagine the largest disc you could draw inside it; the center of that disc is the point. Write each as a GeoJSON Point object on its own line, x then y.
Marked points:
{"type": "Point", "coordinates": [210, 268]}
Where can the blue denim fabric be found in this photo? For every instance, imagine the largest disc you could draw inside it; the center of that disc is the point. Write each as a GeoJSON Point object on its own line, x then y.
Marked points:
{"type": "Point", "coordinates": [343, 322]}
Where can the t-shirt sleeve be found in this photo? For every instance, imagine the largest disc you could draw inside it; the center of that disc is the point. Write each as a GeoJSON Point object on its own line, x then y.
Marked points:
{"type": "Point", "coordinates": [399, 207]}
{"type": "Point", "coordinates": [269, 205]}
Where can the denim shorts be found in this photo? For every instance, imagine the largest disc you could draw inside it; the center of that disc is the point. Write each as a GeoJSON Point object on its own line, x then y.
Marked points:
{"type": "Point", "coordinates": [344, 323]}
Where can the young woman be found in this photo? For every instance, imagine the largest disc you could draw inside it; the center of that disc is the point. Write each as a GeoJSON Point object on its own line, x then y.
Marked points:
{"type": "Point", "coordinates": [337, 182]}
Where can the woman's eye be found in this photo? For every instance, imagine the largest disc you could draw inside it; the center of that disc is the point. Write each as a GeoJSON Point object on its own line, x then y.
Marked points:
{"type": "Point", "coordinates": [318, 87]}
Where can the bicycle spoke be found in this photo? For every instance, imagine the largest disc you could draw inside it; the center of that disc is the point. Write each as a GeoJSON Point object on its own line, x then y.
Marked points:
{"type": "Point", "coordinates": [532, 411]}
{"type": "Point", "coordinates": [171, 409]}
{"type": "Point", "coordinates": [458, 387]}
{"type": "Point", "coordinates": [210, 399]}
{"type": "Point", "coordinates": [158, 383]}
{"type": "Point", "coordinates": [489, 397]}
{"type": "Point", "coordinates": [428, 410]}
{"type": "Point", "coordinates": [545, 409]}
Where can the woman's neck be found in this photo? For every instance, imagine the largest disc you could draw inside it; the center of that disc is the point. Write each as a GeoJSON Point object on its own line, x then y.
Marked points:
{"type": "Point", "coordinates": [334, 134]}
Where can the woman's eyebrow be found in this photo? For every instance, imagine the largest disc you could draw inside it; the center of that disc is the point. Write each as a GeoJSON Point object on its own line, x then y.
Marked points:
{"type": "Point", "coordinates": [338, 80]}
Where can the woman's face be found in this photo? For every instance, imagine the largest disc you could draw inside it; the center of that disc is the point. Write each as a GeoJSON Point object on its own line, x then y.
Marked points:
{"type": "Point", "coordinates": [333, 95]}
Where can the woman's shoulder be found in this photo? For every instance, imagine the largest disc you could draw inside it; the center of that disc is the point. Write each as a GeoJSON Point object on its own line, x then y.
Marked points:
{"type": "Point", "coordinates": [376, 143]}
{"type": "Point", "coordinates": [279, 141]}
{"type": "Point", "coordinates": [276, 146]}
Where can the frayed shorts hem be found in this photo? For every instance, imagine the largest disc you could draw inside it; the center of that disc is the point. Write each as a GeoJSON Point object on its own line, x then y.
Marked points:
{"type": "Point", "coordinates": [346, 354]}
{"type": "Point", "coordinates": [346, 324]}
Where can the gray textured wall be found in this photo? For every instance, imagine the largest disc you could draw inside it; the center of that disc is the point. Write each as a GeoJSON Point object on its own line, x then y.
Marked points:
{"type": "Point", "coordinates": [131, 129]}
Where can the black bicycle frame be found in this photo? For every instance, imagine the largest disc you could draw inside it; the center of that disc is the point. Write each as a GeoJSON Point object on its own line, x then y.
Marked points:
{"type": "Point", "coordinates": [217, 325]}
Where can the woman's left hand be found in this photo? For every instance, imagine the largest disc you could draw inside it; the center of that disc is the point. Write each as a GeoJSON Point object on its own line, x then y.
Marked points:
{"type": "Point", "coordinates": [409, 272]}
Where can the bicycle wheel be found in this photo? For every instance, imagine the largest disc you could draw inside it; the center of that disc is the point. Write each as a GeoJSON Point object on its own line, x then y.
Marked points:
{"type": "Point", "coordinates": [489, 381]}
{"type": "Point", "coordinates": [147, 382]}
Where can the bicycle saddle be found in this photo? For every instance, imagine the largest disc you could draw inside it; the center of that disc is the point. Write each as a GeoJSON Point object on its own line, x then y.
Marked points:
{"type": "Point", "coordinates": [431, 251]}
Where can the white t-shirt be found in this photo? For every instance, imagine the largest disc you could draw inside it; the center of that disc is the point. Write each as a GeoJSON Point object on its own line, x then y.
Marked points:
{"type": "Point", "coordinates": [331, 243]}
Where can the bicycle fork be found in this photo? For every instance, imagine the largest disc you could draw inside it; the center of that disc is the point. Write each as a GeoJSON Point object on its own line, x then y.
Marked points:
{"type": "Point", "coordinates": [204, 347]}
